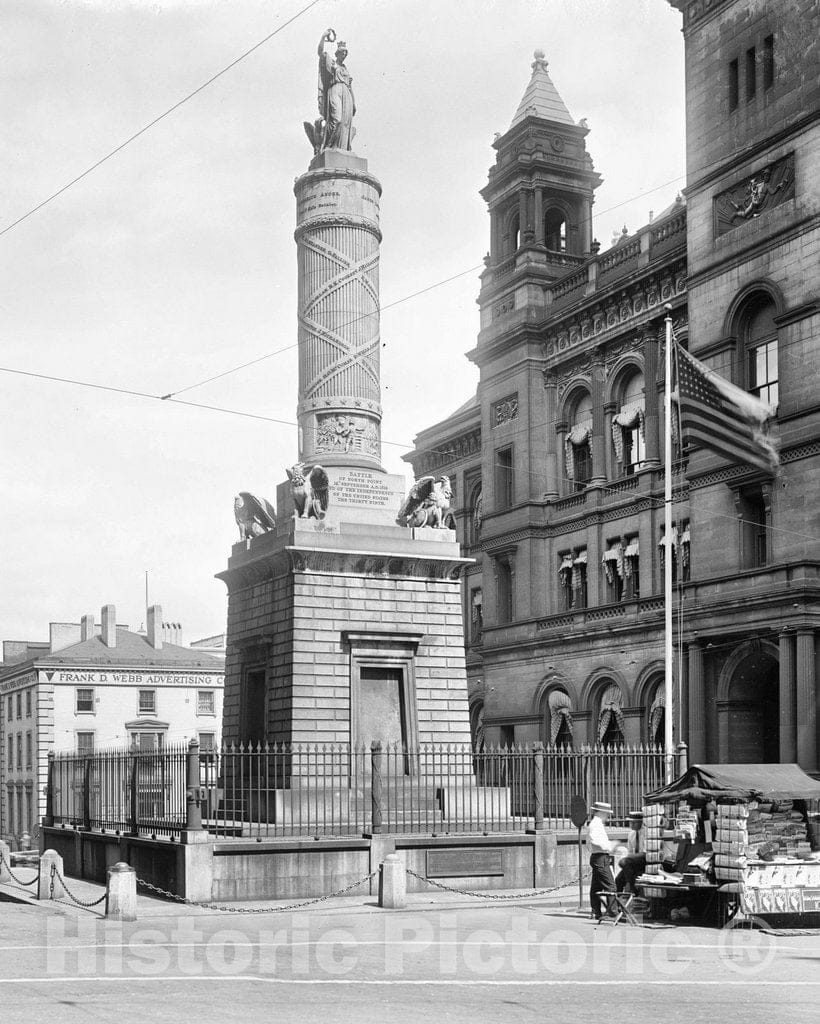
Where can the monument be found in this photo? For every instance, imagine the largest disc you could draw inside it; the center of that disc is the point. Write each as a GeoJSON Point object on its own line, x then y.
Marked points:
{"type": "Point", "coordinates": [344, 607]}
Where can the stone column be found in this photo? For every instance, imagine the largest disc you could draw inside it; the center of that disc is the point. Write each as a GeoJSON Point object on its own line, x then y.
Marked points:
{"type": "Point", "coordinates": [788, 697]}
{"type": "Point", "coordinates": [697, 705]}
{"type": "Point", "coordinates": [598, 421]}
{"type": "Point", "coordinates": [806, 701]}
{"type": "Point", "coordinates": [550, 439]}
{"type": "Point", "coordinates": [523, 218]}
{"type": "Point", "coordinates": [539, 216]}
{"type": "Point", "coordinates": [651, 419]}
{"type": "Point", "coordinates": [585, 234]}
{"type": "Point", "coordinates": [611, 466]}
{"type": "Point", "coordinates": [495, 255]}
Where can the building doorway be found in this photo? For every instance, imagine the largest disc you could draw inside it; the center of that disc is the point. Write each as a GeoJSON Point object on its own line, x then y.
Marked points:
{"type": "Point", "coordinates": [253, 705]}
{"type": "Point", "coordinates": [751, 733]}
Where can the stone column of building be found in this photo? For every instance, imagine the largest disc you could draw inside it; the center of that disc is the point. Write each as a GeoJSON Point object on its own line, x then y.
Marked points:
{"type": "Point", "coordinates": [806, 701]}
{"type": "Point", "coordinates": [788, 697]}
{"type": "Point", "coordinates": [586, 226]}
{"type": "Point", "coordinates": [651, 419]}
{"type": "Point", "coordinates": [495, 254]}
{"type": "Point", "coordinates": [539, 216]}
{"type": "Point", "coordinates": [611, 467]}
{"type": "Point", "coordinates": [550, 437]}
{"type": "Point", "coordinates": [598, 421]}
{"type": "Point", "coordinates": [523, 218]}
{"type": "Point", "coordinates": [696, 739]}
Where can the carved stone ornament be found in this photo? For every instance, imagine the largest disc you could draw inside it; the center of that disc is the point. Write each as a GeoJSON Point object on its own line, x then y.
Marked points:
{"type": "Point", "coordinates": [310, 488]}
{"type": "Point", "coordinates": [427, 504]}
{"type": "Point", "coordinates": [505, 410]}
{"type": "Point", "coordinates": [754, 195]}
{"type": "Point", "coordinates": [254, 516]}
{"type": "Point", "coordinates": [340, 434]}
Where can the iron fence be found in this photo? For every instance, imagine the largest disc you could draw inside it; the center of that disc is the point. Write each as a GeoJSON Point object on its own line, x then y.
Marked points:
{"type": "Point", "coordinates": [282, 790]}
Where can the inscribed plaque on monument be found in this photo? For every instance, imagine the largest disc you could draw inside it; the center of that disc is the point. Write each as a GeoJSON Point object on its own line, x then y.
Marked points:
{"type": "Point", "coordinates": [477, 863]}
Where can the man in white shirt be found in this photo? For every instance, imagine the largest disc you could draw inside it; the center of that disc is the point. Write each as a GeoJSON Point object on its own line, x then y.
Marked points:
{"type": "Point", "coordinates": [634, 863]}
{"type": "Point", "coordinates": [600, 848]}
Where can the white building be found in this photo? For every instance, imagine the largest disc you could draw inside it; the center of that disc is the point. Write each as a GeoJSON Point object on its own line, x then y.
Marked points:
{"type": "Point", "coordinates": [94, 687]}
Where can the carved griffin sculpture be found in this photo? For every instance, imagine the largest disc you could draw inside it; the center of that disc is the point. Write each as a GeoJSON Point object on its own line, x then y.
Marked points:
{"type": "Point", "coordinates": [310, 487]}
{"type": "Point", "coordinates": [254, 516]}
{"type": "Point", "coordinates": [428, 504]}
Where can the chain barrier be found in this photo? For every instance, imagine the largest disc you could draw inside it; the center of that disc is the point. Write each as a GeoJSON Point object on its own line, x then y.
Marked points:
{"type": "Point", "coordinates": [255, 910]}
{"type": "Point", "coordinates": [19, 881]}
{"type": "Point", "coordinates": [492, 895]}
{"type": "Point", "coordinates": [87, 904]}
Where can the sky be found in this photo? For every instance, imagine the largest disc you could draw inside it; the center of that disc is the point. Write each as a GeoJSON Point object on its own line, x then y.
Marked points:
{"type": "Point", "coordinates": [174, 260]}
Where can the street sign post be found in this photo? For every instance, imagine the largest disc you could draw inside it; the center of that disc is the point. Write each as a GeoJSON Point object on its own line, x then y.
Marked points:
{"type": "Point", "coordinates": [578, 816]}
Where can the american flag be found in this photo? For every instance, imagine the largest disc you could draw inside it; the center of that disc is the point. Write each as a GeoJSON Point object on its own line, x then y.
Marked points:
{"type": "Point", "coordinates": [718, 415]}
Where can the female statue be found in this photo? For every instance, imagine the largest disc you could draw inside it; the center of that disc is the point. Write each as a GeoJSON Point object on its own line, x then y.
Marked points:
{"type": "Point", "coordinates": [336, 103]}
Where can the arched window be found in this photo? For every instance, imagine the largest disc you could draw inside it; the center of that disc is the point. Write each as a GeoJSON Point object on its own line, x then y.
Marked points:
{"type": "Point", "coordinates": [656, 720]}
{"type": "Point", "coordinates": [611, 717]}
{"type": "Point", "coordinates": [628, 436]}
{"type": "Point", "coordinates": [473, 526]}
{"type": "Point", "coordinates": [477, 727]}
{"type": "Point", "coordinates": [759, 338]}
{"type": "Point", "coordinates": [555, 230]}
{"type": "Point", "coordinates": [579, 444]}
{"type": "Point", "coordinates": [514, 234]}
{"type": "Point", "coordinates": [559, 719]}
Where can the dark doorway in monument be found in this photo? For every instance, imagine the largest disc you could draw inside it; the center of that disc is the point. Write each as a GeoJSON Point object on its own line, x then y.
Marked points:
{"type": "Point", "coordinates": [750, 732]}
{"type": "Point", "coordinates": [253, 707]}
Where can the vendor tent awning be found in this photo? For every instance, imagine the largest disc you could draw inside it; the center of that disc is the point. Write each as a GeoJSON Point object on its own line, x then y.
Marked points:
{"type": "Point", "coordinates": [740, 782]}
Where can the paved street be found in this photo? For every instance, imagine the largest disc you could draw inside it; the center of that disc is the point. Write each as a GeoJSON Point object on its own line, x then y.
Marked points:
{"type": "Point", "coordinates": [443, 958]}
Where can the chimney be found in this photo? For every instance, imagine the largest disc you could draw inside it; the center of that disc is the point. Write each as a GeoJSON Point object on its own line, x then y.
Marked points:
{"type": "Point", "coordinates": [109, 625]}
{"type": "Point", "coordinates": [86, 627]}
{"type": "Point", "coordinates": [154, 627]}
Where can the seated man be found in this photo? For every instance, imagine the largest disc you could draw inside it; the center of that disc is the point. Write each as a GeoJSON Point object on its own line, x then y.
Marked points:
{"type": "Point", "coordinates": [634, 863]}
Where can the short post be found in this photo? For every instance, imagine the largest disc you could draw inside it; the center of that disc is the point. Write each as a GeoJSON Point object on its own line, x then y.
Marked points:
{"type": "Point", "coordinates": [538, 783]}
{"type": "Point", "coordinates": [25, 841]}
{"type": "Point", "coordinates": [5, 861]}
{"type": "Point", "coordinates": [121, 893]}
{"type": "Point", "coordinates": [392, 883]}
{"type": "Point", "coordinates": [49, 886]}
{"type": "Point", "coordinates": [376, 786]}
{"type": "Point", "coordinates": [87, 794]}
{"type": "Point", "coordinates": [682, 753]}
{"type": "Point", "coordinates": [193, 810]}
{"type": "Point", "coordinates": [48, 820]}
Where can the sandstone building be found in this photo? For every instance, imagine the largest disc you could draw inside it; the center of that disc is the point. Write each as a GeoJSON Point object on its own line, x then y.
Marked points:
{"type": "Point", "coordinates": [557, 459]}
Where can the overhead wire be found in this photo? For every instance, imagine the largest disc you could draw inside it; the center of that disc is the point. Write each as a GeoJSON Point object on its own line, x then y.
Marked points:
{"type": "Point", "coordinates": [156, 120]}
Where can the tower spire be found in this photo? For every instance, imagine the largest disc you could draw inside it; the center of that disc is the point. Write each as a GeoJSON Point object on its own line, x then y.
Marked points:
{"type": "Point", "coordinates": [541, 98]}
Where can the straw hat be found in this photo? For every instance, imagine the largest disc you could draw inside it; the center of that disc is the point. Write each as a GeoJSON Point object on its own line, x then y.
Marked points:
{"type": "Point", "coordinates": [636, 815]}
{"type": "Point", "coordinates": [601, 807]}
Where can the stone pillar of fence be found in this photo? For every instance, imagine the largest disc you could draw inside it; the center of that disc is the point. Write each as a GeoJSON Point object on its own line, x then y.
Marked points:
{"type": "Point", "coordinates": [193, 808]}
{"type": "Point", "coordinates": [376, 786]}
{"type": "Point", "coordinates": [5, 862]}
{"type": "Point", "coordinates": [538, 784]}
{"type": "Point", "coordinates": [48, 819]}
{"type": "Point", "coordinates": [682, 754]}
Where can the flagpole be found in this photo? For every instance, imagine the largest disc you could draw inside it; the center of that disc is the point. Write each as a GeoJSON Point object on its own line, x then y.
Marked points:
{"type": "Point", "coordinates": [667, 543]}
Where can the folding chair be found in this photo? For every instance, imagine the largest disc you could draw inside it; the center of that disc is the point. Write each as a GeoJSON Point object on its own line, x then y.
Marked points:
{"type": "Point", "coordinates": [617, 906]}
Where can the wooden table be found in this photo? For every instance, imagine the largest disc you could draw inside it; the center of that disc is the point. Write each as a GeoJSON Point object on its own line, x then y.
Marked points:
{"type": "Point", "coordinates": [710, 902]}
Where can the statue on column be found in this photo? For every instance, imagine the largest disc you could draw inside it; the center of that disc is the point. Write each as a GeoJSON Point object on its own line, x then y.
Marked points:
{"type": "Point", "coordinates": [334, 127]}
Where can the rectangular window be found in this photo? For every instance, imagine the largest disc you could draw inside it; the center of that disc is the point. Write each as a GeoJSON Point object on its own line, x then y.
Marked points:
{"type": "Point", "coordinates": [752, 506]}
{"type": "Point", "coordinates": [632, 569]}
{"type": "Point", "coordinates": [29, 809]}
{"type": "Point", "coordinates": [19, 751]}
{"type": "Point", "coordinates": [476, 615]}
{"type": "Point", "coordinates": [147, 742]}
{"type": "Point", "coordinates": [147, 702]}
{"type": "Point", "coordinates": [9, 710]}
{"type": "Point", "coordinates": [578, 589]}
{"type": "Point", "coordinates": [85, 743]}
{"type": "Point", "coordinates": [20, 704]}
{"type": "Point", "coordinates": [504, 478]}
{"type": "Point", "coordinates": [10, 753]}
{"type": "Point", "coordinates": [29, 750]}
{"type": "Point", "coordinates": [28, 703]}
{"type": "Point", "coordinates": [507, 736]}
{"type": "Point", "coordinates": [582, 465]}
{"type": "Point", "coordinates": [505, 591]}
{"type": "Point", "coordinates": [205, 702]}
{"type": "Point", "coordinates": [734, 85]}
{"type": "Point", "coordinates": [85, 701]}
{"type": "Point", "coordinates": [207, 742]}
{"type": "Point", "coordinates": [751, 73]}
{"type": "Point", "coordinates": [763, 372]}
{"type": "Point", "coordinates": [768, 62]}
